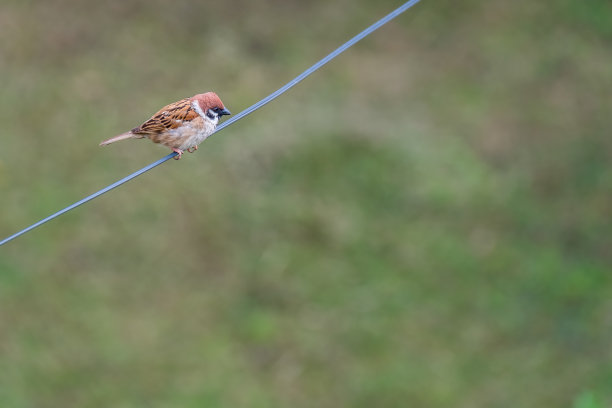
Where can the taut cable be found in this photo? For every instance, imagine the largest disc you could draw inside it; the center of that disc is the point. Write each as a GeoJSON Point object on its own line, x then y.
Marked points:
{"type": "Point", "coordinates": [233, 119]}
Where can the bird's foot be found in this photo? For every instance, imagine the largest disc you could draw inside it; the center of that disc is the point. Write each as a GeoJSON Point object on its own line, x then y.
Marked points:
{"type": "Point", "coordinates": [192, 149]}
{"type": "Point", "coordinates": [180, 153]}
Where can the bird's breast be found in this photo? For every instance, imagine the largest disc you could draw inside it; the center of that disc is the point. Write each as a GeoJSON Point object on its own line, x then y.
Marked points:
{"type": "Point", "coordinates": [188, 134]}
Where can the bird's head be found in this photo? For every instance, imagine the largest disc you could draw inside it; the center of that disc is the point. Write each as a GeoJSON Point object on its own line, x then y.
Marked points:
{"type": "Point", "coordinates": [211, 106]}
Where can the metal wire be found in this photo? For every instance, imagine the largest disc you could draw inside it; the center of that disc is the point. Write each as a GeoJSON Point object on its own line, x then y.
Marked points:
{"type": "Point", "coordinates": [233, 119]}
{"type": "Point", "coordinates": [319, 64]}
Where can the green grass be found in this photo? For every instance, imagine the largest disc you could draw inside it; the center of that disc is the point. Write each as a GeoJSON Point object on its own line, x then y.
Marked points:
{"type": "Point", "coordinates": [424, 222]}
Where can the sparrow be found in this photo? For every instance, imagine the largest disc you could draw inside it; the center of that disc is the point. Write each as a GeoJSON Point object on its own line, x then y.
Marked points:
{"type": "Point", "coordinates": [182, 125]}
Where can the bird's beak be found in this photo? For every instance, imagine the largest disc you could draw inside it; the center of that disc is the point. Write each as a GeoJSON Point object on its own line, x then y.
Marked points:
{"type": "Point", "coordinates": [225, 112]}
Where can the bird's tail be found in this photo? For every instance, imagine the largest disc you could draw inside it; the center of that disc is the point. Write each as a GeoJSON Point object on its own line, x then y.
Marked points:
{"type": "Point", "coordinates": [123, 136]}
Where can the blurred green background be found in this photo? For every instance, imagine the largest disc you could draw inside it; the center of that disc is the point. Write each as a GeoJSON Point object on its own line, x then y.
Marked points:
{"type": "Point", "coordinates": [425, 222]}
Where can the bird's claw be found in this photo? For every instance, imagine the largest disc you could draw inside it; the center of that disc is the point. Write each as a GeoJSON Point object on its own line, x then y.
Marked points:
{"type": "Point", "coordinates": [192, 149]}
{"type": "Point", "coordinates": [179, 153]}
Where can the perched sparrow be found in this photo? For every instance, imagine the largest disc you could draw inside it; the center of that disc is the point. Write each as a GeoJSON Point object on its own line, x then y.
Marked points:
{"type": "Point", "coordinates": [182, 125]}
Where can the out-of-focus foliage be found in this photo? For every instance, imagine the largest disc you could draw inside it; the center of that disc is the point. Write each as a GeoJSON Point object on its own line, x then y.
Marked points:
{"type": "Point", "coordinates": [427, 221]}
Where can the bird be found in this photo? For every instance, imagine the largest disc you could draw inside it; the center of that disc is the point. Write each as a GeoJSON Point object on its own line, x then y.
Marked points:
{"type": "Point", "coordinates": [181, 125]}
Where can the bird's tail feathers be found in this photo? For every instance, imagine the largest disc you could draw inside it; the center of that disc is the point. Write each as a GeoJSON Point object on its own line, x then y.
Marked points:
{"type": "Point", "coordinates": [123, 136]}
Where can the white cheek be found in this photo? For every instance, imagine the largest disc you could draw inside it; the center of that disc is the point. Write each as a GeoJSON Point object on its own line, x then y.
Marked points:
{"type": "Point", "coordinates": [209, 123]}
{"type": "Point", "coordinates": [198, 110]}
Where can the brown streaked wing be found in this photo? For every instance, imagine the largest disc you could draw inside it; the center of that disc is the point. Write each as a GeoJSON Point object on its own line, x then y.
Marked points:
{"type": "Point", "coordinates": [169, 117]}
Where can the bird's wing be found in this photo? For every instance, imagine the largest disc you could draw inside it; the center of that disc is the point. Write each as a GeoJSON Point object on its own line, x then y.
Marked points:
{"type": "Point", "coordinates": [168, 117]}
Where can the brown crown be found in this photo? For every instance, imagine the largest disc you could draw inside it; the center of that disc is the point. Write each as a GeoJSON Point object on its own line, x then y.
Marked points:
{"type": "Point", "coordinates": [209, 100]}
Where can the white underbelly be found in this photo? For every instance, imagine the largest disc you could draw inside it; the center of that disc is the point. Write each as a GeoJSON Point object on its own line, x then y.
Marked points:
{"type": "Point", "coordinates": [193, 136]}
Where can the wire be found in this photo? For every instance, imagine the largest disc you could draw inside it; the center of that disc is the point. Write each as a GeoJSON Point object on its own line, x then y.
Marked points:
{"type": "Point", "coordinates": [233, 119]}
{"type": "Point", "coordinates": [319, 64]}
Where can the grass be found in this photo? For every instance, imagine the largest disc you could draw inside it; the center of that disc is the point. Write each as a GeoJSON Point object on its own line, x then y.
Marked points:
{"type": "Point", "coordinates": [424, 222]}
